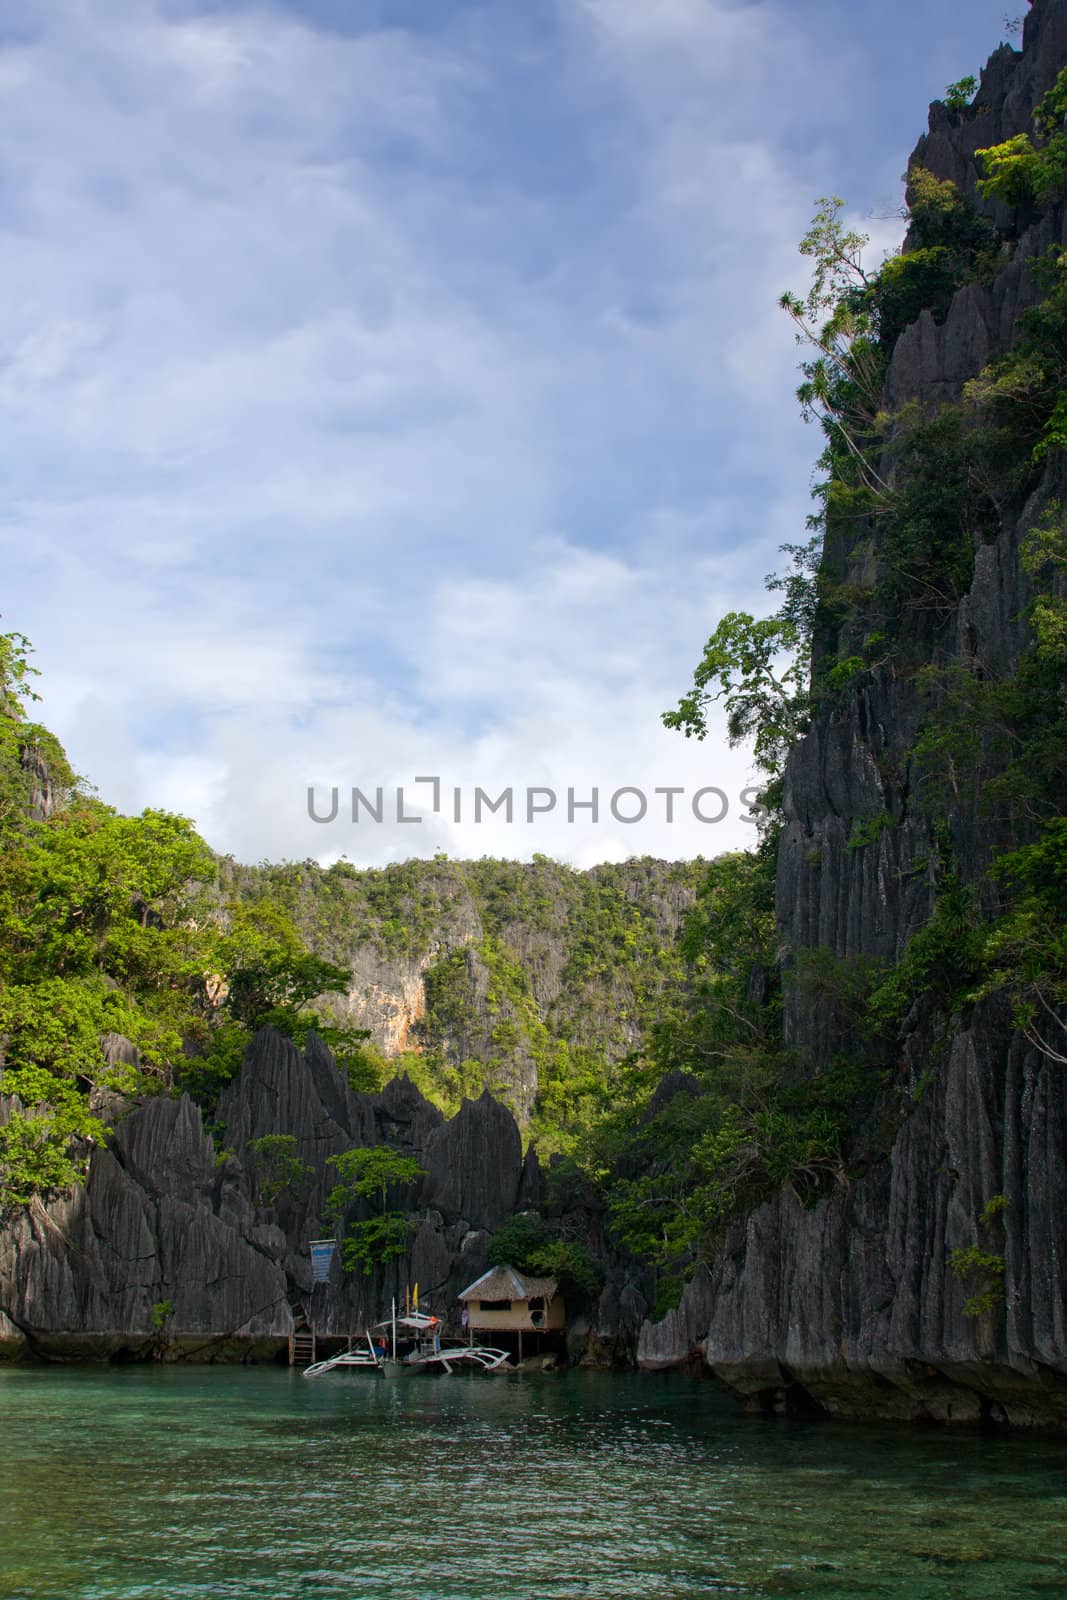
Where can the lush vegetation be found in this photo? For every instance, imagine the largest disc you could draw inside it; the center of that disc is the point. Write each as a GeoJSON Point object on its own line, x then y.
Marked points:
{"type": "Point", "coordinates": [541, 1247]}
{"type": "Point", "coordinates": [114, 927]}
{"type": "Point", "coordinates": [921, 492]}
{"type": "Point", "coordinates": [130, 927]}
{"type": "Point", "coordinates": [633, 1015]}
{"type": "Point", "coordinates": [1029, 170]}
{"type": "Point", "coordinates": [372, 1175]}
{"type": "Point", "coordinates": [538, 979]}
{"type": "Point", "coordinates": [134, 961]}
{"type": "Point", "coordinates": [717, 1116]}
{"type": "Point", "coordinates": [275, 1168]}
{"type": "Point", "coordinates": [958, 95]}
{"type": "Point", "coordinates": [978, 1266]}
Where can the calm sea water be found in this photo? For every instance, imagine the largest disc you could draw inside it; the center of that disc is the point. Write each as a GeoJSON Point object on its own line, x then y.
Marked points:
{"type": "Point", "coordinates": [175, 1482]}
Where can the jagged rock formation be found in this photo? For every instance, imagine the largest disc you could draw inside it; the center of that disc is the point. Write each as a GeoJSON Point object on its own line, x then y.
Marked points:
{"type": "Point", "coordinates": [41, 796]}
{"type": "Point", "coordinates": [853, 1300]}
{"type": "Point", "coordinates": [475, 1175]}
{"type": "Point", "coordinates": [851, 1305]}
{"type": "Point", "coordinates": [164, 1217]}
{"type": "Point", "coordinates": [157, 1221]}
{"type": "Point", "coordinates": [680, 1339]}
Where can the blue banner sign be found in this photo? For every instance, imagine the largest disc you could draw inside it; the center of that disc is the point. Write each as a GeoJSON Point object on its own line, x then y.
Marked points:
{"type": "Point", "coordinates": [321, 1257]}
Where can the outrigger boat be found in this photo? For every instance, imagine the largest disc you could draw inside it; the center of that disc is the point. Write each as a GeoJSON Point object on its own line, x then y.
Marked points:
{"type": "Point", "coordinates": [357, 1357]}
{"type": "Point", "coordinates": [423, 1332]}
{"type": "Point", "coordinates": [424, 1327]}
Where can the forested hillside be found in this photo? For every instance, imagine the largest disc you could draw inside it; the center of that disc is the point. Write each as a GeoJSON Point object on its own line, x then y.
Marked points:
{"type": "Point", "coordinates": [530, 979]}
{"type": "Point", "coordinates": [173, 1131]}
{"type": "Point", "coordinates": [123, 969]}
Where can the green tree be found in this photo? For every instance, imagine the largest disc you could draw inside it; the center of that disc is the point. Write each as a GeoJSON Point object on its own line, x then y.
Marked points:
{"type": "Point", "coordinates": [269, 967]}
{"type": "Point", "coordinates": [114, 925]}
{"type": "Point", "coordinates": [1027, 946]}
{"type": "Point", "coordinates": [843, 378]}
{"type": "Point", "coordinates": [20, 739]}
{"type": "Point", "coordinates": [92, 891]}
{"type": "Point", "coordinates": [46, 1149]}
{"type": "Point", "coordinates": [369, 1174]}
{"type": "Point", "coordinates": [983, 1272]}
{"type": "Point", "coordinates": [512, 1244]}
{"type": "Point", "coordinates": [959, 95]}
{"type": "Point", "coordinates": [760, 671]}
{"type": "Point", "coordinates": [275, 1167]}
{"type": "Point", "coordinates": [15, 674]}
{"type": "Point", "coordinates": [375, 1240]}
{"type": "Point", "coordinates": [532, 1245]}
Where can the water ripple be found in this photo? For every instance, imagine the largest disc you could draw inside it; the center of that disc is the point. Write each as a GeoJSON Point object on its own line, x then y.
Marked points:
{"type": "Point", "coordinates": [207, 1484]}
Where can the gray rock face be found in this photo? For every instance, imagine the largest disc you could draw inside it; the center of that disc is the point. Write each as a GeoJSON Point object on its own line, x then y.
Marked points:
{"type": "Point", "coordinates": [620, 1312]}
{"type": "Point", "coordinates": [152, 1224]}
{"type": "Point", "coordinates": [44, 797]}
{"type": "Point", "coordinates": [852, 1305]}
{"type": "Point", "coordinates": [476, 1164]}
{"type": "Point", "coordinates": [163, 1218]}
{"type": "Point", "coordinates": [681, 1337]}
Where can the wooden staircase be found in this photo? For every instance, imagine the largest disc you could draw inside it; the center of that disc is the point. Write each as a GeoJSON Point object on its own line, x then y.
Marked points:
{"type": "Point", "coordinates": [301, 1340]}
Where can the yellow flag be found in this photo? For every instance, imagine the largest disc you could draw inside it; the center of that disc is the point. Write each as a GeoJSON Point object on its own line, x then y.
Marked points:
{"type": "Point", "coordinates": [415, 1298]}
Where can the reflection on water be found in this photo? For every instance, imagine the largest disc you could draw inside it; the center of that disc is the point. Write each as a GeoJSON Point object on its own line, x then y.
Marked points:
{"type": "Point", "coordinates": [215, 1482]}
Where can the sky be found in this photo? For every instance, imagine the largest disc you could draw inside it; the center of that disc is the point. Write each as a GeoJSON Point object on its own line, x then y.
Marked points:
{"type": "Point", "coordinates": [397, 389]}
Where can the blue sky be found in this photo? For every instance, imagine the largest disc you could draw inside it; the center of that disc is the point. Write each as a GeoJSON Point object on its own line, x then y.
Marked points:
{"type": "Point", "coordinates": [399, 388]}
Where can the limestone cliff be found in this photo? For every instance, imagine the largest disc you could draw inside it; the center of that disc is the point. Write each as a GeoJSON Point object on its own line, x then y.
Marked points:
{"type": "Point", "coordinates": [158, 1221]}
{"type": "Point", "coordinates": [851, 1305]}
{"type": "Point", "coordinates": [167, 1220]}
{"type": "Point", "coordinates": [847, 1303]}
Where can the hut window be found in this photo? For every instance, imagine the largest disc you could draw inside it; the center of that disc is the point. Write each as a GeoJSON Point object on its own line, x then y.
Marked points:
{"type": "Point", "coordinates": [537, 1302]}
{"type": "Point", "coordinates": [495, 1305]}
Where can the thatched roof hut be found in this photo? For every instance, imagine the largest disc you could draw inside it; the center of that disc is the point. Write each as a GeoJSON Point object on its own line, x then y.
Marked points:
{"type": "Point", "coordinates": [504, 1298]}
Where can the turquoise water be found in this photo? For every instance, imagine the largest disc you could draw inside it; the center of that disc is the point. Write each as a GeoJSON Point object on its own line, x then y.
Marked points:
{"type": "Point", "coordinates": [214, 1482]}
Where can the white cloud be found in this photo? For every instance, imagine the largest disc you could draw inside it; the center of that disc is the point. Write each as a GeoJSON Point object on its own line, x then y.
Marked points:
{"type": "Point", "coordinates": [348, 445]}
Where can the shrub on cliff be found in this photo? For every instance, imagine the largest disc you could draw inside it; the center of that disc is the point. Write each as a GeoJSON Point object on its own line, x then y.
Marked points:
{"type": "Point", "coordinates": [1029, 168]}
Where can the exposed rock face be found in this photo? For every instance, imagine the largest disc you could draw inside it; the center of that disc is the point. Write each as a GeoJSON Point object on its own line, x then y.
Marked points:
{"type": "Point", "coordinates": [43, 795]}
{"type": "Point", "coordinates": [389, 998]}
{"type": "Point", "coordinates": [620, 1312]}
{"type": "Point", "coordinates": [388, 989]}
{"type": "Point", "coordinates": [163, 1218]}
{"type": "Point", "coordinates": [155, 1222]}
{"type": "Point", "coordinates": [852, 1304]}
{"type": "Point", "coordinates": [853, 1300]}
{"type": "Point", "coordinates": [681, 1338]}
{"type": "Point", "coordinates": [475, 1164]}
